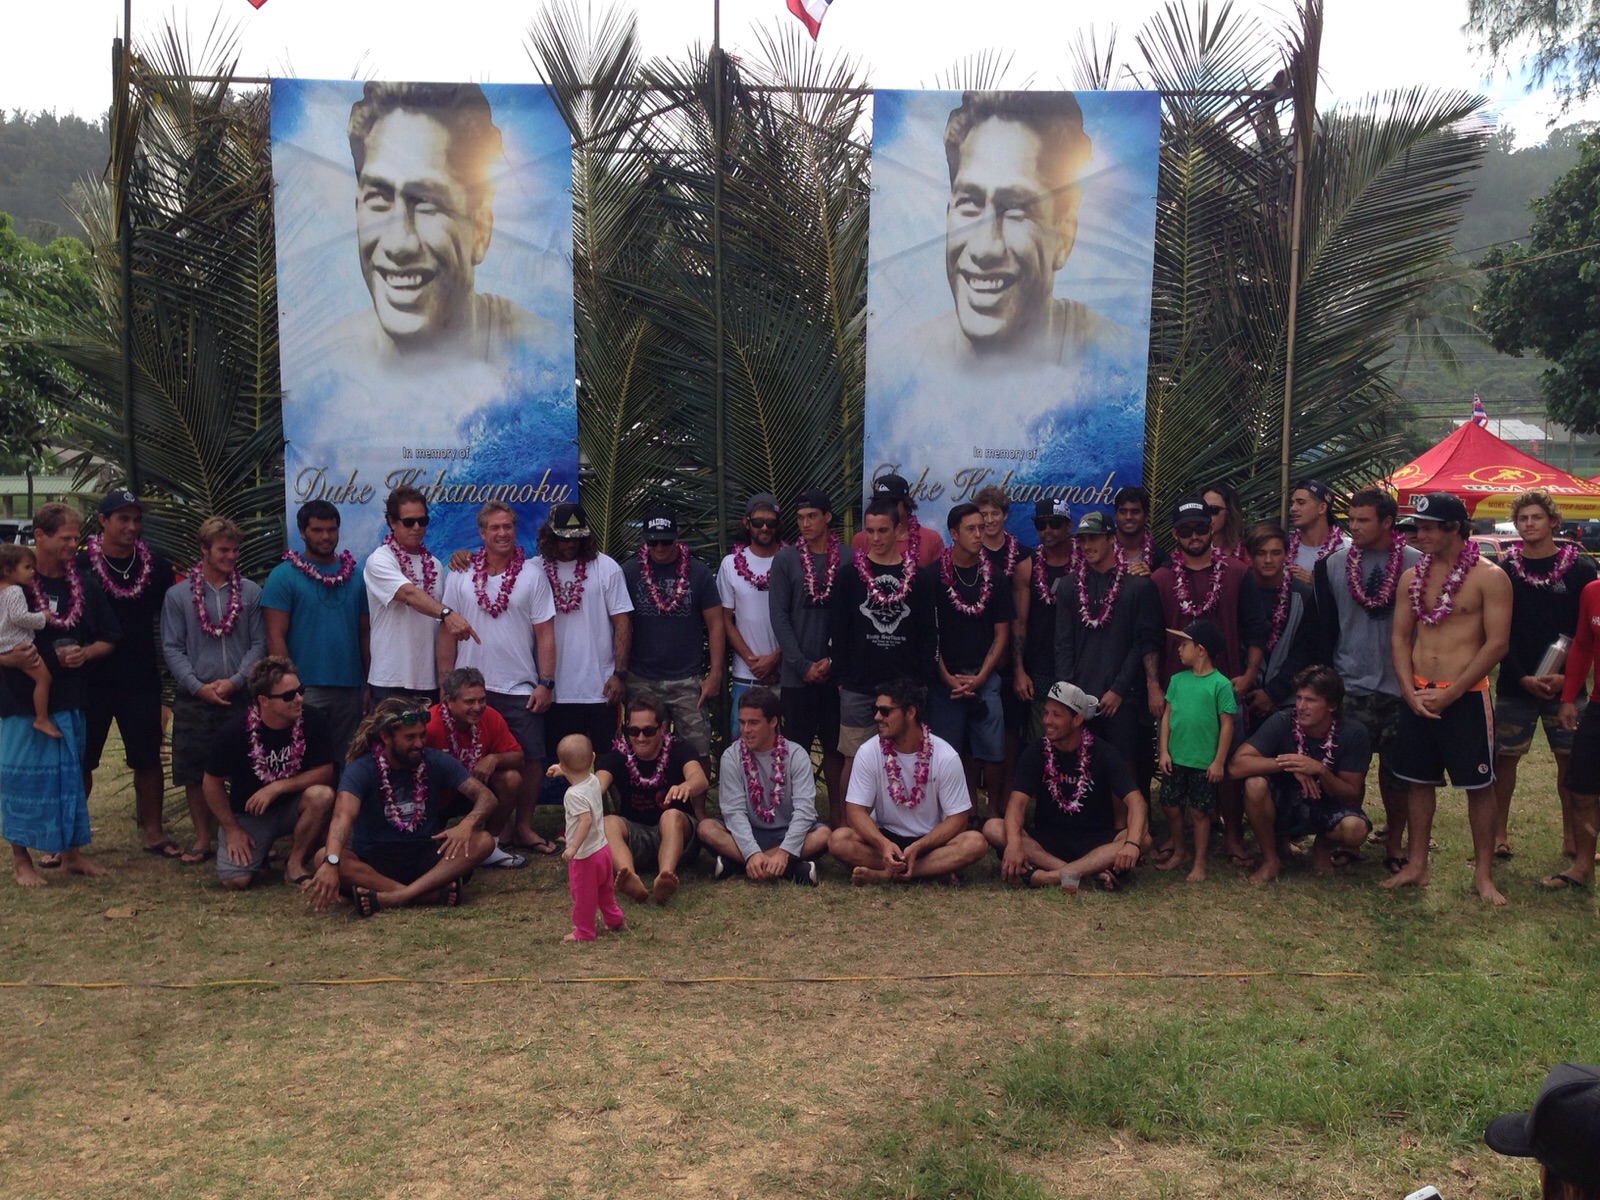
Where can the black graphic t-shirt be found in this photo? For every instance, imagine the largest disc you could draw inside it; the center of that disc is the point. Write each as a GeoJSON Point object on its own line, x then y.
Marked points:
{"type": "Point", "coordinates": [876, 642]}
{"type": "Point", "coordinates": [644, 805]}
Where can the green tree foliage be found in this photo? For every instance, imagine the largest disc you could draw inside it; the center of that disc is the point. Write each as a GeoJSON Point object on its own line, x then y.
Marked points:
{"type": "Point", "coordinates": [1561, 39]}
{"type": "Point", "coordinates": [1545, 296]}
{"type": "Point", "coordinates": [42, 158]}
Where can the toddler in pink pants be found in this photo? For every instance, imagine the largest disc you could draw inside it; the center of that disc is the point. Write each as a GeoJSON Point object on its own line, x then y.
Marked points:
{"type": "Point", "coordinates": [589, 869]}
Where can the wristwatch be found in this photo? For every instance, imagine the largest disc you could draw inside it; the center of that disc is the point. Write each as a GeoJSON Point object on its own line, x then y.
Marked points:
{"type": "Point", "coordinates": [547, 683]}
{"type": "Point", "coordinates": [331, 859]}
{"type": "Point", "coordinates": [445, 612]}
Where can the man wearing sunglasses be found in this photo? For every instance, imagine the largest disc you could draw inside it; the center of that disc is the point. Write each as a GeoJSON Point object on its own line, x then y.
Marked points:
{"type": "Point", "coordinates": [387, 843]}
{"type": "Point", "coordinates": [405, 599]}
{"type": "Point", "coordinates": [743, 580]}
{"type": "Point", "coordinates": [270, 775]}
{"type": "Point", "coordinates": [661, 786]}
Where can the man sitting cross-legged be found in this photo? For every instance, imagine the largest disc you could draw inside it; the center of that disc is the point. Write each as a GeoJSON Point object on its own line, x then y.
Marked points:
{"type": "Point", "coordinates": [660, 784]}
{"type": "Point", "coordinates": [1304, 773]}
{"type": "Point", "coordinates": [906, 804]}
{"type": "Point", "coordinates": [1075, 780]}
{"type": "Point", "coordinates": [387, 843]}
{"type": "Point", "coordinates": [473, 732]}
{"type": "Point", "coordinates": [270, 776]}
{"type": "Point", "coordinates": [768, 794]}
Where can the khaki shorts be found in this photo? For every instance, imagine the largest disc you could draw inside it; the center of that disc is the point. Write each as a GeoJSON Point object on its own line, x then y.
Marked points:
{"type": "Point", "coordinates": [854, 732]}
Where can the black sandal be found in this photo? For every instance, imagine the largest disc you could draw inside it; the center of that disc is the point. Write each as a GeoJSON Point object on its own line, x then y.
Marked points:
{"type": "Point", "coordinates": [1395, 864]}
{"type": "Point", "coordinates": [363, 901]}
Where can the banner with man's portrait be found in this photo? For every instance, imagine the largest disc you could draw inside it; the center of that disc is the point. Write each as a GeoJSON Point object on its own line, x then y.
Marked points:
{"type": "Point", "coordinates": [1008, 294]}
{"type": "Point", "coordinates": [424, 237]}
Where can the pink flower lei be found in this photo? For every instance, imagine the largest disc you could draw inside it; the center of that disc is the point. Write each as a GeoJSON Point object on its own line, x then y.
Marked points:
{"type": "Point", "coordinates": [508, 580]}
{"type": "Point", "coordinates": [741, 564]}
{"type": "Point", "coordinates": [1356, 581]}
{"type": "Point", "coordinates": [568, 596]}
{"type": "Point", "coordinates": [1119, 573]}
{"type": "Point", "coordinates": [1330, 543]}
{"type": "Point", "coordinates": [1330, 745]}
{"type": "Point", "coordinates": [74, 611]}
{"type": "Point", "coordinates": [102, 569]}
{"type": "Point", "coordinates": [819, 596]}
{"type": "Point", "coordinates": [1040, 579]}
{"type": "Point", "coordinates": [752, 779]}
{"type": "Point", "coordinates": [919, 774]}
{"type": "Point", "coordinates": [261, 761]}
{"type": "Point", "coordinates": [391, 805]}
{"type": "Point", "coordinates": [1180, 587]}
{"type": "Point", "coordinates": [665, 606]}
{"type": "Point", "coordinates": [1565, 557]}
{"type": "Point", "coordinates": [1013, 551]}
{"type": "Point", "coordinates": [1055, 782]}
{"type": "Point", "coordinates": [1452, 584]}
{"type": "Point", "coordinates": [877, 590]}
{"type": "Point", "coordinates": [639, 781]}
{"type": "Point", "coordinates": [469, 754]}
{"type": "Point", "coordinates": [1280, 611]}
{"type": "Point", "coordinates": [947, 576]}
{"type": "Point", "coordinates": [430, 573]}
{"type": "Point", "coordinates": [230, 612]}
{"type": "Point", "coordinates": [347, 568]}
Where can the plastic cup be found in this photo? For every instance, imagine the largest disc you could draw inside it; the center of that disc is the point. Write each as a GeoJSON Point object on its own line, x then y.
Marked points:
{"type": "Point", "coordinates": [1069, 883]}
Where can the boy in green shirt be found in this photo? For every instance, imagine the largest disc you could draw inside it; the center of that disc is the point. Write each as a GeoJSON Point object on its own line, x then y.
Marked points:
{"type": "Point", "coordinates": [1196, 732]}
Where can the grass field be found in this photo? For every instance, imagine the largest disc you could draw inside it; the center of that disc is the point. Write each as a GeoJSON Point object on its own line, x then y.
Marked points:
{"type": "Point", "coordinates": [1380, 1035]}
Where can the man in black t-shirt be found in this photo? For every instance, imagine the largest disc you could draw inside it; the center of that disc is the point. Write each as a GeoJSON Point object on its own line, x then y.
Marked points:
{"type": "Point", "coordinates": [125, 686]}
{"type": "Point", "coordinates": [1075, 781]}
{"type": "Point", "coordinates": [270, 775]}
{"type": "Point", "coordinates": [1304, 773]}
{"type": "Point", "coordinates": [677, 614]}
{"type": "Point", "coordinates": [660, 788]}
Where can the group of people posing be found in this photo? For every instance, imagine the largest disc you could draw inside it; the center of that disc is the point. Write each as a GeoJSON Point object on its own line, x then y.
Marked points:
{"type": "Point", "coordinates": [392, 719]}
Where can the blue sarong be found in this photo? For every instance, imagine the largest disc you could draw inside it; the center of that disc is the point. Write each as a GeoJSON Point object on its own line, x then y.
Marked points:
{"type": "Point", "coordinates": [42, 802]}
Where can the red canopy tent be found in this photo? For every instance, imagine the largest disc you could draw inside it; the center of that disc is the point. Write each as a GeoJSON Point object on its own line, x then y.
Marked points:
{"type": "Point", "coordinates": [1487, 473]}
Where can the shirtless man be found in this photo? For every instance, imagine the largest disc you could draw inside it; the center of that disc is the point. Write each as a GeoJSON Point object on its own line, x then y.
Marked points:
{"type": "Point", "coordinates": [1444, 645]}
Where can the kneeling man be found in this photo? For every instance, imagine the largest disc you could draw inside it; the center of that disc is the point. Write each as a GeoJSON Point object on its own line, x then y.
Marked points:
{"type": "Point", "coordinates": [1075, 780]}
{"type": "Point", "coordinates": [906, 804]}
{"type": "Point", "coordinates": [473, 733]}
{"type": "Point", "coordinates": [269, 776]}
{"type": "Point", "coordinates": [1304, 773]}
{"type": "Point", "coordinates": [768, 795]}
{"type": "Point", "coordinates": [388, 843]}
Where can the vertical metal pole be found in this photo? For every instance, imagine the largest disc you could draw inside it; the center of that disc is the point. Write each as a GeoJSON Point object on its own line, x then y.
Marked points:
{"type": "Point", "coordinates": [719, 131]}
{"type": "Point", "coordinates": [122, 162]}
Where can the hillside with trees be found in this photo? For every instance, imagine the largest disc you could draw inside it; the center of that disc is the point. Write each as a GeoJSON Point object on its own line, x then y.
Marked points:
{"type": "Point", "coordinates": [41, 157]}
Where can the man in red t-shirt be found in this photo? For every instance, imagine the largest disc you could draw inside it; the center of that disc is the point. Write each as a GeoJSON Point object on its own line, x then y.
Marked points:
{"type": "Point", "coordinates": [465, 727]}
{"type": "Point", "coordinates": [1583, 767]}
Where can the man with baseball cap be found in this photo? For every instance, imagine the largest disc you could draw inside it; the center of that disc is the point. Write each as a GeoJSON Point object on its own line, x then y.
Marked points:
{"type": "Point", "coordinates": [743, 579]}
{"type": "Point", "coordinates": [677, 617]}
{"type": "Point", "coordinates": [125, 685]}
{"type": "Point", "coordinates": [1313, 535]}
{"type": "Point", "coordinates": [1075, 782]}
{"type": "Point", "coordinates": [1448, 634]}
{"type": "Point", "coordinates": [1033, 632]}
{"type": "Point", "coordinates": [594, 630]}
{"type": "Point", "coordinates": [897, 490]}
{"type": "Point", "coordinates": [1560, 1131]}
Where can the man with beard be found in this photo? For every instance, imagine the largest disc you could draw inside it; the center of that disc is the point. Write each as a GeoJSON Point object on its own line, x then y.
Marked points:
{"type": "Point", "coordinates": [1291, 620]}
{"type": "Point", "coordinates": [1356, 587]}
{"type": "Point", "coordinates": [594, 633]}
{"type": "Point", "coordinates": [804, 577]}
{"type": "Point", "coordinates": [387, 843]}
{"type": "Point", "coordinates": [1131, 507]}
{"type": "Point", "coordinates": [661, 786]}
{"type": "Point", "coordinates": [466, 726]}
{"type": "Point", "coordinates": [1033, 633]}
{"type": "Point", "coordinates": [1314, 535]}
{"type": "Point", "coordinates": [1108, 635]}
{"type": "Point", "coordinates": [125, 685]}
{"type": "Point", "coordinates": [743, 580]}
{"type": "Point", "coordinates": [1077, 783]}
{"type": "Point", "coordinates": [883, 627]}
{"type": "Point", "coordinates": [677, 612]}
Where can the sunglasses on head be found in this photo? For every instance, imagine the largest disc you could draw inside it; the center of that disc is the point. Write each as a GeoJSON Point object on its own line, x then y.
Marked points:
{"type": "Point", "coordinates": [641, 731]}
{"type": "Point", "coordinates": [763, 522]}
{"type": "Point", "coordinates": [288, 694]}
{"type": "Point", "coordinates": [414, 716]}
{"type": "Point", "coordinates": [883, 710]}
{"type": "Point", "coordinates": [1050, 522]}
{"type": "Point", "coordinates": [413, 522]}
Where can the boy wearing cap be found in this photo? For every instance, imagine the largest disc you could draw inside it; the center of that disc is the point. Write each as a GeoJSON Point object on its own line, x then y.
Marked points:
{"type": "Point", "coordinates": [1033, 632]}
{"type": "Point", "coordinates": [676, 613]}
{"type": "Point", "coordinates": [1196, 734]}
{"type": "Point", "coordinates": [1076, 782]}
{"type": "Point", "coordinates": [1449, 633]}
{"type": "Point", "coordinates": [743, 579]}
{"type": "Point", "coordinates": [1314, 535]}
{"type": "Point", "coordinates": [897, 490]}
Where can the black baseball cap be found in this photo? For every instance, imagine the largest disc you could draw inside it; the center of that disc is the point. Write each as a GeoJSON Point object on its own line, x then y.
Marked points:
{"type": "Point", "coordinates": [1438, 506]}
{"type": "Point", "coordinates": [117, 501]}
{"type": "Point", "coordinates": [1051, 507]}
{"type": "Point", "coordinates": [1562, 1128]}
{"type": "Point", "coordinates": [813, 498]}
{"type": "Point", "coordinates": [1191, 510]}
{"type": "Point", "coordinates": [890, 487]}
{"type": "Point", "coordinates": [1205, 635]}
{"type": "Point", "coordinates": [660, 525]}
{"type": "Point", "coordinates": [569, 521]}
{"type": "Point", "coordinates": [1316, 487]}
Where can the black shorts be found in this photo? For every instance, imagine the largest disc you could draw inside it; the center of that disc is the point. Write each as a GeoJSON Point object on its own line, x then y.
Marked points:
{"type": "Point", "coordinates": [1583, 768]}
{"type": "Point", "coordinates": [1069, 845]}
{"type": "Point", "coordinates": [1120, 730]}
{"type": "Point", "coordinates": [597, 722]}
{"type": "Point", "coordinates": [811, 713]}
{"type": "Point", "coordinates": [138, 718]}
{"type": "Point", "coordinates": [900, 839]}
{"type": "Point", "coordinates": [403, 862]}
{"type": "Point", "coordinates": [195, 725]}
{"type": "Point", "coordinates": [1015, 712]}
{"type": "Point", "coordinates": [1460, 742]}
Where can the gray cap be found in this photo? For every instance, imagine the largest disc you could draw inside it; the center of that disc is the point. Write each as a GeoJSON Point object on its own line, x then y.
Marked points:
{"type": "Point", "coordinates": [759, 501]}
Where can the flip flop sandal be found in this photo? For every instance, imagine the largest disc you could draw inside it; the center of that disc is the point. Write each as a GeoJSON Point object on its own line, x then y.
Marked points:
{"type": "Point", "coordinates": [511, 862]}
{"type": "Point", "coordinates": [363, 902]}
{"type": "Point", "coordinates": [1503, 852]}
{"type": "Point", "coordinates": [1562, 882]}
{"type": "Point", "coordinates": [194, 856]}
{"type": "Point", "coordinates": [49, 861]}
{"type": "Point", "coordinates": [166, 848]}
{"type": "Point", "coordinates": [452, 894]}
{"type": "Point", "coordinates": [1343, 857]}
{"type": "Point", "coordinates": [1395, 864]}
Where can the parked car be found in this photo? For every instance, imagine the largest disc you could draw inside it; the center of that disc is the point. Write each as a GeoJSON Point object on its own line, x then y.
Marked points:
{"type": "Point", "coordinates": [19, 530]}
{"type": "Point", "coordinates": [1493, 545]}
{"type": "Point", "coordinates": [1585, 533]}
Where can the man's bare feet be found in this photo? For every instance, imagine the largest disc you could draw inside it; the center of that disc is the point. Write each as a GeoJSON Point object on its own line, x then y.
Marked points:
{"type": "Point", "coordinates": [1197, 873]}
{"type": "Point", "coordinates": [1321, 859]}
{"type": "Point", "coordinates": [631, 886]}
{"type": "Point", "coordinates": [1267, 871]}
{"type": "Point", "coordinates": [865, 875]}
{"type": "Point", "coordinates": [1484, 886]}
{"type": "Point", "coordinates": [47, 727]}
{"type": "Point", "coordinates": [1410, 875]}
{"type": "Point", "coordinates": [1174, 862]}
{"type": "Point", "coordinates": [27, 875]}
{"type": "Point", "coordinates": [74, 863]}
{"type": "Point", "coordinates": [666, 885]}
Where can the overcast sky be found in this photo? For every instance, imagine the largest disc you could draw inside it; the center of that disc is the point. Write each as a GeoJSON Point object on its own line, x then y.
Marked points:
{"type": "Point", "coordinates": [55, 54]}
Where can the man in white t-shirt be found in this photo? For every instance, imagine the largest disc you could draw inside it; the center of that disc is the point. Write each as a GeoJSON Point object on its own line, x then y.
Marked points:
{"type": "Point", "coordinates": [405, 602]}
{"type": "Point", "coordinates": [514, 612]}
{"type": "Point", "coordinates": [906, 804]}
{"type": "Point", "coordinates": [742, 580]}
{"type": "Point", "coordinates": [593, 629]}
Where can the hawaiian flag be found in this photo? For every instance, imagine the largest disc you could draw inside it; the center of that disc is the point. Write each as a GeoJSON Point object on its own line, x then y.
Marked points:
{"type": "Point", "coordinates": [809, 11]}
{"type": "Point", "coordinates": [1479, 415]}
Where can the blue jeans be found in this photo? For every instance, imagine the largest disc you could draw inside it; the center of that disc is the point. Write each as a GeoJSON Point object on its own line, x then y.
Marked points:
{"type": "Point", "coordinates": [973, 725]}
